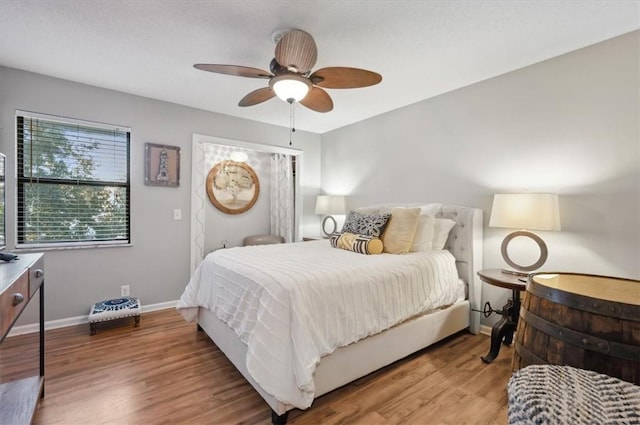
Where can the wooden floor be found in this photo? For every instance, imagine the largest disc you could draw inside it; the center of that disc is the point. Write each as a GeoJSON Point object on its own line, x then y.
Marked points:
{"type": "Point", "coordinates": [165, 372]}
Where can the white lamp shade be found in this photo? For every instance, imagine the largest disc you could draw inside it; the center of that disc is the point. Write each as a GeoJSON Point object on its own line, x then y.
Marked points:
{"type": "Point", "coordinates": [330, 204]}
{"type": "Point", "coordinates": [290, 86]}
{"type": "Point", "coordinates": [529, 211]}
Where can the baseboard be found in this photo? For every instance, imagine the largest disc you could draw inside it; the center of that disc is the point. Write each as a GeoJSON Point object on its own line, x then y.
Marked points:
{"type": "Point", "coordinates": [79, 320]}
{"type": "Point", "coordinates": [485, 330]}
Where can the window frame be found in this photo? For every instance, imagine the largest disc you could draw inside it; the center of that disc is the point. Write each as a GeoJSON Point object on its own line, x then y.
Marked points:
{"type": "Point", "coordinates": [21, 181]}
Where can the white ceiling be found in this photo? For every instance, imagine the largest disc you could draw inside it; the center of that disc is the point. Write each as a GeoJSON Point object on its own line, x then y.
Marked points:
{"type": "Point", "coordinates": [421, 48]}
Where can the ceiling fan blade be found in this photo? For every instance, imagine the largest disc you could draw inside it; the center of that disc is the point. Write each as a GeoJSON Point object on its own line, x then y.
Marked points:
{"type": "Point", "coordinates": [339, 77]}
{"type": "Point", "coordinates": [297, 49]}
{"type": "Point", "coordinates": [317, 100]}
{"type": "Point", "coordinates": [257, 96]}
{"type": "Point", "coordinates": [238, 71]}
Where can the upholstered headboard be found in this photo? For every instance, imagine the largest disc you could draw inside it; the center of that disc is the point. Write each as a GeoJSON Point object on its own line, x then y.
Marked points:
{"type": "Point", "coordinates": [464, 242]}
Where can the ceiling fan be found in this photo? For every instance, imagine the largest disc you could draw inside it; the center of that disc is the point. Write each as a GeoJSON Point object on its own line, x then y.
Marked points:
{"type": "Point", "coordinates": [290, 77]}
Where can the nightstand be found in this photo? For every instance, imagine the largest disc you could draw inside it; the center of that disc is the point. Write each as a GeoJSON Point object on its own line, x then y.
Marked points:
{"type": "Point", "coordinates": [502, 331]}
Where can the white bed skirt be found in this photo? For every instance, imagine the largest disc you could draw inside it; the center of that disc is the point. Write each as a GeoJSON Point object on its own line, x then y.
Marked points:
{"type": "Point", "coordinates": [349, 363]}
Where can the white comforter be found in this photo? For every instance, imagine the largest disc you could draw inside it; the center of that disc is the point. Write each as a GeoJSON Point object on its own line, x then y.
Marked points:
{"type": "Point", "coordinates": [294, 303]}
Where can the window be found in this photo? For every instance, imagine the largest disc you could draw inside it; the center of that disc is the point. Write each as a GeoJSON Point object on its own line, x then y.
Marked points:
{"type": "Point", "coordinates": [73, 182]}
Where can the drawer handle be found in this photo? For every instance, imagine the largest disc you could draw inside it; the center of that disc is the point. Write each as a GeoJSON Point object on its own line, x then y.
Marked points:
{"type": "Point", "coordinates": [17, 299]}
{"type": "Point", "coordinates": [39, 273]}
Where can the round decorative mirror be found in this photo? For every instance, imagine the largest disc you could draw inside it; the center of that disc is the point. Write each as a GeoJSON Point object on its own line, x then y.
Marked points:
{"type": "Point", "coordinates": [232, 187]}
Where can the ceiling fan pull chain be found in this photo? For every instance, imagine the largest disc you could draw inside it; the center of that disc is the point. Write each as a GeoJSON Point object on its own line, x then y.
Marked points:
{"type": "Point", "coordinates": [292, 118]}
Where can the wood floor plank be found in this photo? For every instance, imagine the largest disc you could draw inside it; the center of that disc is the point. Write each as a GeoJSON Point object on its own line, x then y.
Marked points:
{"type": "Point", "coordinates": [165, 372]}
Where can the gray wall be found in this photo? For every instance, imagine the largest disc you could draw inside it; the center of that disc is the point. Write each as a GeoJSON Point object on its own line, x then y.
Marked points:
{"type": "Point", "coordinates": [569, 125]}
{"type": "Point", "coordinates": [157, 265]}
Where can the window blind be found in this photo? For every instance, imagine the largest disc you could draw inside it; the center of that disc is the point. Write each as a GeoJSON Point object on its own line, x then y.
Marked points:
{"type": "Point", "coordinates": [73, 182]}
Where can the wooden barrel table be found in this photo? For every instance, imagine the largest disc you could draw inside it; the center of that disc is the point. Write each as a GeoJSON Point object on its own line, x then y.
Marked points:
{"type": "Point", "coordinates": [585, 321]}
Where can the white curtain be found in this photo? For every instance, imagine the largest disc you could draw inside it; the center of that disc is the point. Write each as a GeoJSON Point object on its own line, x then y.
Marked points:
{"type": "Point", "coordinates": [282, 197]}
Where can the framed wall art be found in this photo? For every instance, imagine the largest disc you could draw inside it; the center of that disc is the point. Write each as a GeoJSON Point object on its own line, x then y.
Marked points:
{"type": "Point", "coordinates": [232, 187]}
{"type": "Point", "coordinates": [161, 165]}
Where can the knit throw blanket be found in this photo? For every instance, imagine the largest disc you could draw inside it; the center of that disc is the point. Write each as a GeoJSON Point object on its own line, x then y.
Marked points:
{"type": "Point", "coordinates": [547, 394]}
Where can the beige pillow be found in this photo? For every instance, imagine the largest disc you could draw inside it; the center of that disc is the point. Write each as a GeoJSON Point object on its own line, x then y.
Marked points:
{"type": "Point", "coordinates": [400, 230]}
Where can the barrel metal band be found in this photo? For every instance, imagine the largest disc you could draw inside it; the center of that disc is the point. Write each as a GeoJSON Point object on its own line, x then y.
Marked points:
{"type": "Point", "coordinates": [584, 303]}
{"type": "Point", "coordinates": [527, 356]}
{"type": "Point", "coordinates": [589, 342]}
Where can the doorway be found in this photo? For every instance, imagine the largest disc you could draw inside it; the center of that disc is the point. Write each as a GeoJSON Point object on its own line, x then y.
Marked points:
{"type": "Point", "coordinates": [206, 152]}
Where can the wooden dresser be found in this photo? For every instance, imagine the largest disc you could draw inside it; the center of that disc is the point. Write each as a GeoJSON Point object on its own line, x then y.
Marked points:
{"type": "Point", "coordinates": [20, 280]}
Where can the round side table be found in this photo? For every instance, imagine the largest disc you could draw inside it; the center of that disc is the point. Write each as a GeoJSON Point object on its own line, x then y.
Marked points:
{"type": "Point", "coordinates": [502, 331]}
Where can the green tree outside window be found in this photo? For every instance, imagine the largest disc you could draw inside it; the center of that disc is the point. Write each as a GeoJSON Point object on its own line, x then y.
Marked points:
{"type": "Point", "coordinates": [73, 183]}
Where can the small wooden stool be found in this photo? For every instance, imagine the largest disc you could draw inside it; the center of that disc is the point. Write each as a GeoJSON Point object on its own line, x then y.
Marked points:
{"type": "Point", "coordinates": [117, 308]}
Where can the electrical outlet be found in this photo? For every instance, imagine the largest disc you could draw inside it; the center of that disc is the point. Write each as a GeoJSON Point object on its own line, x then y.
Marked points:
{"type": "Point", "coordinates": [124, 291]}
{"type": "Point", "coordinates": [177, 214]}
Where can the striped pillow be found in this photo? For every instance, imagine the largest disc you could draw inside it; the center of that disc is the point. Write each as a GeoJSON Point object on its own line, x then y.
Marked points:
{"type": "Point", "coordinates": [357, 243]}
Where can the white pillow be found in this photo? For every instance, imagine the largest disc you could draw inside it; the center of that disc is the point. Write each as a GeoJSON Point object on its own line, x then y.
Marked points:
{"type": "Point", "coordinates": [430, 208]}
{"type": "Point", "coordinates": [423, 239]}
{"type": "Point", "coordinates": [441, 232]}
{"type": "Point", "coordinates": [387, 207]}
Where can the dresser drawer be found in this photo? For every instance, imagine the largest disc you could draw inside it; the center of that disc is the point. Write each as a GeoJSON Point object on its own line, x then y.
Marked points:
{"type": "Point", "coordinates": [36, 276]}
{"type": "Point", "coordinates": [18, 294]}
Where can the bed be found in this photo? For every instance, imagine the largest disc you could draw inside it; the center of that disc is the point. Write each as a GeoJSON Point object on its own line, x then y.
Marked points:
{"type": "Point", "coordinates": [292, 354]}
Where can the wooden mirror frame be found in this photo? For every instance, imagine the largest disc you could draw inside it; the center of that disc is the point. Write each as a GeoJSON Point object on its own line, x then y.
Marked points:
{"type": "Point", "coordinates": [216, 171]}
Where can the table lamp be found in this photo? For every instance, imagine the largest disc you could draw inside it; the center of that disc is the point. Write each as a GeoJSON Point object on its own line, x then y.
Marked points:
{"type": "Point", "coordinates": [329, 205]}
{"type": "Point", "coordinates": [527, 211]}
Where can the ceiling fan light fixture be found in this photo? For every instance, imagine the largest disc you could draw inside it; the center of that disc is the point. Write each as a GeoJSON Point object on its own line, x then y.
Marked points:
{"type": "Point", "coordinates": [290, 74]}
{"type": "Point", "coordinates": [290, 87]}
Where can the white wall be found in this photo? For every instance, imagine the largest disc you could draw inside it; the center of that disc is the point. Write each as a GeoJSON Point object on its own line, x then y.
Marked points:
{"type": "Point", "coordinates": [157, 265]}
{"type": "Point", "coordinates": [569, 125]}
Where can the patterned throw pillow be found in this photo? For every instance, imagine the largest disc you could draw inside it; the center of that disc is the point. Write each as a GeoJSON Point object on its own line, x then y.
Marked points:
{"type": "Point", "coordinates": [357, 243]}
{"type": "Point", "coordinates": [365, 224]}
